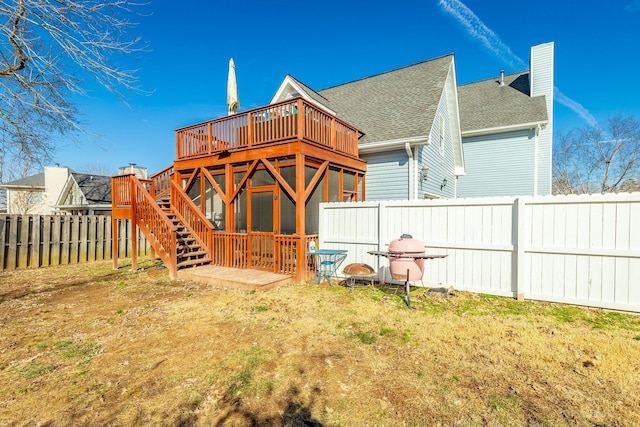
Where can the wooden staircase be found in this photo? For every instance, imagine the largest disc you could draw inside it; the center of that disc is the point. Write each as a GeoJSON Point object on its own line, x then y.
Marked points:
{"type": "Point", "coordinates": [189, 252]}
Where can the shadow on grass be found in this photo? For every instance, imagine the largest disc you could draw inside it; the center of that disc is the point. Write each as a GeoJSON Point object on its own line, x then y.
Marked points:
{"type": "Point", "coordinates": [294, 414]}
{"type": "Point", "coordinates": [54, 285]}
{"type": "Point", "coordinates": [26, 291]}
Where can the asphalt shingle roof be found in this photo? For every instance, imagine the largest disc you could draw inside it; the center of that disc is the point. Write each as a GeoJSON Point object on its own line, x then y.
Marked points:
{"type": "Point", "coordinates": [486, 104]}
{"type": "Point", "coordinates": [396, 104]}
{"type": "Point", "coordinates": [312, 93]}
{"type": "Point", "coordinates": [30, 181]}
{"type": "Point", "coordinates": [96, 188]}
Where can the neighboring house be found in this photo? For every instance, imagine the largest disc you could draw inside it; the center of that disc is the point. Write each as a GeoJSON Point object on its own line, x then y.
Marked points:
{"type": "Point", "coordinates": [36, 194]}
{"type": "Point", "coordinates": [60, 190]}
{"type": "Point", "coordinates": [139, 171]}
{"type": "Point", "coordinates": [425, 137]}
{"type": "Point", "coordinates": [86, 194]}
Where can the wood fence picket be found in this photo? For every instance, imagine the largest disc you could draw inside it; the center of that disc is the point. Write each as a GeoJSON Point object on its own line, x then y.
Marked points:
{"type": "Point", "coordinates": [33, 241]}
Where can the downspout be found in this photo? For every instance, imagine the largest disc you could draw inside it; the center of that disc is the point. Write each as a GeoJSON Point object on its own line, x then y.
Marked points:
{"type": "Point", "coordinates": [407, 147]}
{"type": "Point", "coordinates": [416, 173]}
{"type": "Point", "coordinates": [455, 186]}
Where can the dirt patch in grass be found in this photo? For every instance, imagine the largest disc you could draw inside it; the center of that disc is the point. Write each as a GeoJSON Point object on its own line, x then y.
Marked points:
{"type": "Point", "coordinates": [89, 345]}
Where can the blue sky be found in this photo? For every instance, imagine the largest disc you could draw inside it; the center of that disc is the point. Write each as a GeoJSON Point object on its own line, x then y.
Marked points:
{"type": "Point", "coordinates": [323, 44]}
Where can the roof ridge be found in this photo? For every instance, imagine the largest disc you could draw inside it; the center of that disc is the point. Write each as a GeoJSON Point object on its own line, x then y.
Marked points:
{"type": "Point", "coordinates": [305, 86]}
{"type": "Point", "coordinates": [390, 71]}
{"type": "Point", "coordinates": [519, 73]}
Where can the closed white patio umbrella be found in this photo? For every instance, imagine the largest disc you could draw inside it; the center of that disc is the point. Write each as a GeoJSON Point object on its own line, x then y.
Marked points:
{"type": "Point", "coordinates": [232, 89]}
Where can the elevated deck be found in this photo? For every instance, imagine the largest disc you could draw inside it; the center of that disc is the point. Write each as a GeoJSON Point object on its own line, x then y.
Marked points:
{"type": "Point", "coordinates": [244, 192]}
{"type": "Point", "coordinates": [275, 124]}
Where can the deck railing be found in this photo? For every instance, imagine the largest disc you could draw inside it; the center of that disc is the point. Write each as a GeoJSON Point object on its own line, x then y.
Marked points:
{"type": "Point", "coordinates": [161, 182]}
{"type": "Point", "coordinates": [158, 229]}
{"type": "Point", "coordinates": [265, 251]}
{"type": "Point", "coordinates": [286, 121]}
{"type": "Point", "coordinates": [121, 191]}
{"type": "Point", "coordinates": [192, 217]}
{"type": "Point", "coordinates": [262, 251]}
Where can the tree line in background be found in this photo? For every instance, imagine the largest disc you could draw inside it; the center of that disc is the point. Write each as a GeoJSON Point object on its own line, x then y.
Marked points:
{"type": "Point", "coordinates": [598, 159]}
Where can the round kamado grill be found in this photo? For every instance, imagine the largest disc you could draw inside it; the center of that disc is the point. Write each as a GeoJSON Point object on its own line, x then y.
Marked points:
{"type": "Point", "coordinates": [406, 260]}
{"type": "Point", "coordinates": [402, 257]}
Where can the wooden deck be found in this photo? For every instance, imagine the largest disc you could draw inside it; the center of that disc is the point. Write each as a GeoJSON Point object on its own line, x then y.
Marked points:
{"type": "Point", "coordinates": [258, 173]}
{"type": "Point", "coordinates": [235, 278]}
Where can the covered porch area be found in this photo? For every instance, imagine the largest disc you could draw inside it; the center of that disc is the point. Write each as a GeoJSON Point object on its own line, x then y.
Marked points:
{"type": "Point", "coordinates": [248, 186]}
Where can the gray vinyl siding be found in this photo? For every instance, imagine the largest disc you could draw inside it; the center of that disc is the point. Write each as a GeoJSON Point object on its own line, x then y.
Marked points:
{"type": "Point", "coordinates": [498, 165]}
{"type": "Point", "coordinates": [441, 167]}
{"type": "Point", "coordinates": [387, 176]}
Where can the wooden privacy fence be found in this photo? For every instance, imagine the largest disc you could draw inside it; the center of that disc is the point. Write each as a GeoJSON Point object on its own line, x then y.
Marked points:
{"type": "Point", "coordinates": [582, 250]}
{"type": "Point", "coordinates": [32, 241]}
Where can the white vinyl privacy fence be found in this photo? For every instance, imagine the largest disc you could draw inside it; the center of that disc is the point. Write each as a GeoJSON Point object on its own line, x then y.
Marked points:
{"type": "Point", "coordinates": [581, 250]}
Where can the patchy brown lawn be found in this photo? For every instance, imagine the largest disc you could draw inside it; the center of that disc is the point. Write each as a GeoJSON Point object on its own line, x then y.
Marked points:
{"type": "Point", "coordinates": [89, 345]}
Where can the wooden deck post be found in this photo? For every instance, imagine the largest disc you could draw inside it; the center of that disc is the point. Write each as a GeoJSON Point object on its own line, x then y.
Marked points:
{"type": "Point", "coordinates": [301, 122]}
{"type": "Point", "coordinates": [152, 254]}
{"type": "Point", "coordinates": [114, 242]}
{"type": "Point", "coordinates": [134, 228]}
{"type": "Point", "coordinates": [134, 245]}
{"type": "Point", "coordinates": [333, 136]}
{"type": "Point", "coordinates": [301, 247]}
{"type": "Point", "coordinates": [209, 138]}
{"type": "Point", "coordinates": [250, 136]}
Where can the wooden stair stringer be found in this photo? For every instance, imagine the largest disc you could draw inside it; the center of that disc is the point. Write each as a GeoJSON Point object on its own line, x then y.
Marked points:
{"type": "Point", "coordinates": [159, 250]}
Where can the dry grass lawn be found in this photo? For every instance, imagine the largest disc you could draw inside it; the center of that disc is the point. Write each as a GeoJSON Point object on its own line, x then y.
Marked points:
{"type": "Point", "coordinates": [87, 345]}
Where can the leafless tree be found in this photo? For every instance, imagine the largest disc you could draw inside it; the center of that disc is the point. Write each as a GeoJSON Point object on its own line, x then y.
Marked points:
{"type": "Point", "coordinates": [48, 48]}
{"type": "Point", "coordinates": [96, 169]}
{"type": "Point", "coordinates": [599, 160]}
{"type": "Point", "coordinates": [21, 202]}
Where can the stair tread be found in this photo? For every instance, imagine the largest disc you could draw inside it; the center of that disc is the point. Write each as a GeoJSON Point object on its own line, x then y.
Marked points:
{"type": "Point", "coordinates": [192, 262]}
{"type": "Point", "coordinates": [189, 252]}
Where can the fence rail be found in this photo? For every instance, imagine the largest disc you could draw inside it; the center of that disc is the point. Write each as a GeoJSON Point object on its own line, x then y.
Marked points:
{"type": "Point", "coordinates": [582, 250]}
{"type": "Point", "coordinates": [32, 241]}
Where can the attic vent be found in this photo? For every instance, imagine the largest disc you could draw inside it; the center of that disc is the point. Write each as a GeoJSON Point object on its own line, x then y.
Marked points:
{"type": "Point", "coordinates": [501, 77]}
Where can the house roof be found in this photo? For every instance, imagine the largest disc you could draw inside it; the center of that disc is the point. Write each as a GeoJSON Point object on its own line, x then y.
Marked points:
{"type": "Point", "coordinates": [33, 181]}
{"type": "Point", "coordinates": [397, 104]}
{"type": "Point", "coordinates": [486, 105]}
{"type": "Point", "coordinates": [96, 188]}
{"type": "Point", "coordinates": [312, 93]}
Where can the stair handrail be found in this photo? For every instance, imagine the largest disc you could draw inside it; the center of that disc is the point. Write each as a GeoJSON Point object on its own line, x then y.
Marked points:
{"type": "Point", "coordinates": [155, 224]}
{"type": "Point", "coordinates": [160, 182]}
{"type": "Point", "coordinates": [192, 217]}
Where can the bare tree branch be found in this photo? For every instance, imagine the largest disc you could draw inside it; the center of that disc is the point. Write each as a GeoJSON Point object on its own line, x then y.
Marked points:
{"type": "Point", "coordinates": [48, 48]}
{"type": "Point", "coordinates": [598, 160]}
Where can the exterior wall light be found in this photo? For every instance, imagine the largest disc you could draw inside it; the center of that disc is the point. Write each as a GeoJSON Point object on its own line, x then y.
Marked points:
{"type": "Point", "coordinates": [424, 173]}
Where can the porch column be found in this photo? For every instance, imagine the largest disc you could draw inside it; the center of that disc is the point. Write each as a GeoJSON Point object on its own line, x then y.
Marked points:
{"type": "Point", "coordinates": [114, 242]}
{"type": "Point", "coordinates": [301, 252]}
{"type": "Point", "coordinates": [229, 220]}
{"type": "Point", "coordinates": [134, 227]}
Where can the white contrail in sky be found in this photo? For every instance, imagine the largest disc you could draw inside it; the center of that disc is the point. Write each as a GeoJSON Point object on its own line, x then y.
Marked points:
{"type": "Point", "coordinates": [477, 29]}
{"type": "Point", "coordinates": [575, 106]}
